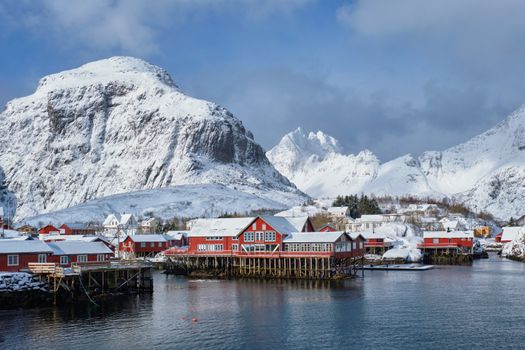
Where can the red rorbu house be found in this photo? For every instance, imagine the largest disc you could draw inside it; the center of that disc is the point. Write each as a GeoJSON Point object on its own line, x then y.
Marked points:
{"type": "Point", "coordinates": [179, 238]}
{"type": "Point", "coordinates": [77, 229]}
{"type": "Point", "coordinates": [146, 245]}
{"type": "Point", "coordinates": [377, 243]}
{"type": "Point", "coordinates": [445, 242]}
{"type": "Point", "coordinates": [16, 254]}
{"type": "Point", "coordinates": [49, 229]}
{"type": "Point", "coordinates": [67, 252]}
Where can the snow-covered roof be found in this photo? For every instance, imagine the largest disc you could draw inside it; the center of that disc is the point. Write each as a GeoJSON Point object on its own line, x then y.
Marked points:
{"type": "Point", "coordinates": [110, 218]}
{"type": "Point", "coordinates": [148, 238]}
{"type": "Point", "coordinates": [8, 246]}
{"type": "Point", "coordinates": [355, 235]}
{"type": "Point", "coordinates": [127, 219]}
{"type": "Point", "coordinates": [1, 212]}
{"type": "Point", "coordinates": [177, 234]}
{"type": "Point", "coordinates": [448, 234]}
{"type": "Point", "coordinates": [280, 224]}
{"type": "Point", "coordinates": [297, 221]}
{"type": "Point", "coordinates": [452, 224]}
{"type": "Point", "coordinates": [428, 220]}
{"type": "Point", "coordinates": [83, 238]}
{"type": "Point", "coordinates": [224, 227]}
{"type": "Point", "coordinates": [10, 233]}
{"type": "Point", "coordinates": [373, 235]}
{"type": "Point", "coordinates": [371, 218]}
{"type": "Point", "coordinates": [313, 237]}
{"type": "Point", "coordinates": [148, 221]}
{"type": "Point", "coordinates": [79, 247]}
{"type": "Point", "coordinates": [511, 232]}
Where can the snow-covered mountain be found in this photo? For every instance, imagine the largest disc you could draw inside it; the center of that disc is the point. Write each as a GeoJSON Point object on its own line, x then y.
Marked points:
{"type": "Point", "coordinates": [486, 172]}
{"type": "Point", "coordinates": [121, 125]}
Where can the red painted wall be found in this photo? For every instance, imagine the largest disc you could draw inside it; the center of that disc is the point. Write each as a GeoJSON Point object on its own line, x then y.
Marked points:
{"type": "Point", "coordinates": [133, 247]}
{"type": "Point", "coordinates": [23, 260]}
{"type": "Point", "coordinates": [47, 229]}
{"type": "Point", "coordinates": [74, 258]}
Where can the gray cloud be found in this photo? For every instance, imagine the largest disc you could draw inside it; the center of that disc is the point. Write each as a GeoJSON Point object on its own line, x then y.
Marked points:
{"type": "Point", "coordinates": [275, 101]}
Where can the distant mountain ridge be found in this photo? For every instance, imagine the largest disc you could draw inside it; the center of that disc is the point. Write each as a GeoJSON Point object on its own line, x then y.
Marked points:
{"type": "Point", "coordinates": [120, 125]}
{"type": "Point", "coordinates": [487, 172]}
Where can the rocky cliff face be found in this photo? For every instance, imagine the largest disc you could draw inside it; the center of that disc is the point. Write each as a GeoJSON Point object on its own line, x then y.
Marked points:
{"type": "Point", "coordinates": [486, 172]}
{"type": "Point", "coordinates": [120, 125]}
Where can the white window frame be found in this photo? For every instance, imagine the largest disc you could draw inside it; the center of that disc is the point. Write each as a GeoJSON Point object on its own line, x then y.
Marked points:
{"type": "Point", "coordinates": [435, 240]}
{"type": "Point", "coordinates": [42, 258]}
{"type": "Point", "coordinates": [101, 257]}
{"type": "Point", "coordinates": [270, 236]}
{"type": "Point", "coordinates": [64, 260]}
{"type": "Point", "coordinates": [152, 245]}
{"type": "Point", "coordinates": [13, 260]}
{"type": "Point", "coordinates": [143, 244]}
{"type": "Point", "coordinates": [235, 247]}
{"type": "Point", "coordinates": [249, 236]}
{"type": "Point", "coordinates": [259, 236]}
{"type": "Point", "coordinates": [82, 258]}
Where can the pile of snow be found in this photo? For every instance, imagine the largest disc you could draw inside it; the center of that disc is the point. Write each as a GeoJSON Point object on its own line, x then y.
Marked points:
{"type": "Point", "coordinates": [405, 253]}
{"type": "Point", "coordinates": [487, 172]}
{"type": "Point", "coordinates": [516, 248]}
{"type": "Point", "coordinates": [20, 281]}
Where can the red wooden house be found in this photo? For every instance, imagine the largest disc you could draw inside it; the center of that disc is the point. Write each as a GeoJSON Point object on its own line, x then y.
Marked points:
{"type": "Point", "coordinates": [67, 252]}
{"type": "Point", "coordinates": [48, 229]}
{"type": "Point", "coordinates": [16, 254]}
{"type": "Point", "coordinates": [447, 241]}
{"type": "Point", "coordinates": [377, 243]}
{"type": "Point", "coordinates": [77, 229]}
{"type": "Point", "coordinates": [146, 245]}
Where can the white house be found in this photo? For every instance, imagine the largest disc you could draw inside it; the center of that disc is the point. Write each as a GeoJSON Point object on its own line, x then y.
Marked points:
{"type": "Point", "coordinates": [125, 223]}
{"type": "Point", "coordinates": [510, 233]}
{"type": "Point", "coordinates": [149, 225]}
{"type": "Point", "coordinates": [367, 223]}
{"type": "Point", "coordinates": [338, 212]}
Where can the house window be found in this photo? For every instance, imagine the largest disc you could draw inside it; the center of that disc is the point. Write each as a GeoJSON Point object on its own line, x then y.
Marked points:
{"type": "Point", "coordinates": [12, 260]}
{"type": "Point", "coordinates": [143, 245]}
{"type": "Point", "coordinates": [264, 226]}
{"type": "Point", "coordinates": [82, 258]}
{"type": "Point", "coordinates": [435, 241]}
{"type": "Point", "coordinates": [214, 238]}
{"type": "Point", "coordinates": [248, 236]}
{"type": "Point", "coordinates": [160, 244]}
{"type": "Point", "coordinates": [270, 236]}
{"type": "Point", "coordinates": [254, 226]}
{"type": "Point", "coordinates": [64, 260]}
{"type": "Point", "coordinates": [235, 247]}
{"type": "Point", "coordinates": [42, 258]}
{"type": "Point", "coordinates": [152, 244]}
{"type": "Point", "coordinates": [259, 236]}
{"type": "Point", "coordinates": [100, 257]}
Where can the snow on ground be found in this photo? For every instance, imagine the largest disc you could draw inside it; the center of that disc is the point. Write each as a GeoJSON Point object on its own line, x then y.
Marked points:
{"type": "Point", "coordinates": [516, 248]}
{"type": "Point", "coordinates": [405, 253]}
{"type": "Point", "coordinates": [186, 201]}
{"type": "Point", "coordinates": [20, 281]}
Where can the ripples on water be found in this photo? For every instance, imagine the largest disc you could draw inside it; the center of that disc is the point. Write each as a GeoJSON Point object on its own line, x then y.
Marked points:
{"type": "Point", "coordinates": [450, 307]}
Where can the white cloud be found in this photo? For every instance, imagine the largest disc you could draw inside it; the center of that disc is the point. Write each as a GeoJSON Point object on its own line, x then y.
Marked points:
{"type": "Point", "coordinates": [131, 26]}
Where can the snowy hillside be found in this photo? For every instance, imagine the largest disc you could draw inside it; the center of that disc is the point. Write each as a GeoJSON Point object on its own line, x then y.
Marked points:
{"type": "Point", "coordinates": [486, 172]}
{"type": "Point", "coordinates": [184, 201]}
{"type": "Point", "coordinates": [121, 125]}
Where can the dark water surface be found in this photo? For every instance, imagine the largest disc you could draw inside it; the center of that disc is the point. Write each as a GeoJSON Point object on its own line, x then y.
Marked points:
{"type": "Point", "coordinates": [482, 306]}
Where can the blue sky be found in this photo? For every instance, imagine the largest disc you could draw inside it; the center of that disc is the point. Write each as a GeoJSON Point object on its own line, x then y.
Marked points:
{"type": "Point", "coordinates": [393, 76]}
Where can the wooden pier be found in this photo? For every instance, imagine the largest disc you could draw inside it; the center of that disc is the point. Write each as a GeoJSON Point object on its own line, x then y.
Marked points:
{"type": "Point", "coordinates": [264, 266]}
{"type": "Point", "coordinates": [95, 279]}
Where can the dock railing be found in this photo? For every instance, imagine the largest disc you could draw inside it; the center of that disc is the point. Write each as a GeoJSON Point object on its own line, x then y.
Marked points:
{"type": "Point", "coordinates": [45, 269]}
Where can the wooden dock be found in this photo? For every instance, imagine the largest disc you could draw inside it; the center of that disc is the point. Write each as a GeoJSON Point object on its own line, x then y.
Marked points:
{"type": "Point", "coordinates": [95, 278]}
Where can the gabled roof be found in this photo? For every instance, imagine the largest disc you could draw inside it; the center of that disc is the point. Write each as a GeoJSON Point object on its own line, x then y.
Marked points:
{"type": "Point", "coordinates": [279, 223]}
{"type": "Point", "coordinates": [127, 219]}
{"type": "Point", "coordinates": [110, 218]}
{"type": "Point", "coordinates": [314, 237]}
{"type": "Point", "coordinates": [297, 221]}
{"type": "Point", "coordinates": [82, 238]}
{"type": "Point", "coordinates": [79, 247]}
{"type": "Point", "coordinates": [8, 246]}
{"type": "Point", "coordinates": [147, 238]}
{"type": "Point", "coordinates": [355, 235]}
{"type": "Point", "coordinates": [224, 227]}
{"type": "Point", "coordinates": [448, 234]}
{"type": "Point", "coordinates": [177, 235]}
{"type": "Point", "coordinates": [511, 232]}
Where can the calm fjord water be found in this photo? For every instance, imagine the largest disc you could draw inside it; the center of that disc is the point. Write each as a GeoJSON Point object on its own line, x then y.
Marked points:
{"type": "Point", "coordinates": [482, 306]}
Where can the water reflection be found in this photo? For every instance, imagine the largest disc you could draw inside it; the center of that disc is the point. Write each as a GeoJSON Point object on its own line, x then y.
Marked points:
{"type": "Point", "coordinates": [446, 307]}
